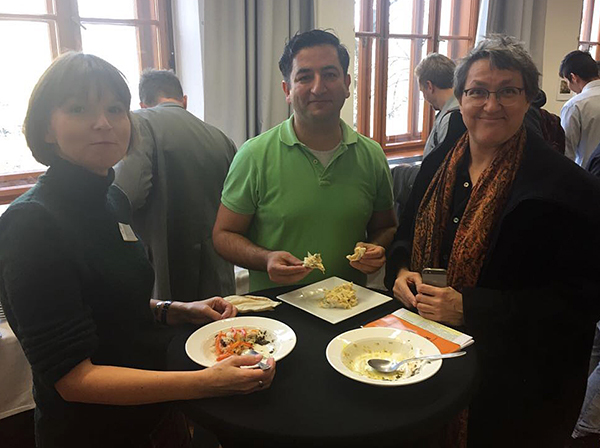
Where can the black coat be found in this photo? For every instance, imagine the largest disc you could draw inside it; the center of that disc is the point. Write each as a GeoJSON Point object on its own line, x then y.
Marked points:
{"type": "Point", "coordinates": [537, 299]}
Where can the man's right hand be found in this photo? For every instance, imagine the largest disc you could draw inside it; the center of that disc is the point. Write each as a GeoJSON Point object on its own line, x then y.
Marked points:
{"type": "Point", "coordinates": [402, 284]}
{"type": "Point", "coordinates": [284, 268]}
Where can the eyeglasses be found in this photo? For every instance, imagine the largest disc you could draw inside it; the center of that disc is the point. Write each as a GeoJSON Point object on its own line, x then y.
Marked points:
{"type": "Point", "coordinates": [506, 96]}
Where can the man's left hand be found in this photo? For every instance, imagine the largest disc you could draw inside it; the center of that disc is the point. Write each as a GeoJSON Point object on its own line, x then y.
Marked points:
{"type": "Point", "coordinates": [372, 260]}
{"type": "Point", "coordinates": [203, 311]}
{"type": "Point", "coordinates": [440, 304]}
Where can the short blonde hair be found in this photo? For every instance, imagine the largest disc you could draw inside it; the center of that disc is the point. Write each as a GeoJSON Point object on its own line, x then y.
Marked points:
{"type": "Point", "coordinates": [70, 75]}
{"type": "Point", "coordinates": [436, 68]}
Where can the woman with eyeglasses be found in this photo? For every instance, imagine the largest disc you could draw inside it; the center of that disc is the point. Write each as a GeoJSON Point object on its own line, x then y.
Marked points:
{"type": "Point", "coordinates": [516, 226]}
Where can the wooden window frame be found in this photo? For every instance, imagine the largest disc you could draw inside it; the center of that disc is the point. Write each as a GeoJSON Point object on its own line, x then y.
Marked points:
{"type": "Point", "coordinates": [410, 144]}
{"type": "Point", "coordinates": [64, 27]}
{"type": "Point", "coordinates": [587, 22]}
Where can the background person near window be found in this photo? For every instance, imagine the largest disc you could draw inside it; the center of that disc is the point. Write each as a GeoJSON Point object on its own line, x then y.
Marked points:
{"type": "Point", "coordinates": [580, 115]}
{"type": "Point", "coordinates": [174, 181]}
{"type": "Point", "coordinates": [435, 75]}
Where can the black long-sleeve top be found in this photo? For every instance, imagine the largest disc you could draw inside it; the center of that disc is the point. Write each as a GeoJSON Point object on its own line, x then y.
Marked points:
{"type": "Point", "coordinates": [534, 309]}
{"type": "Point", "coordinates": [73, 289]}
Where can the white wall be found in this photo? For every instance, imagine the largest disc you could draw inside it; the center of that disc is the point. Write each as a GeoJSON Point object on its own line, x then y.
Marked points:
{"type": "Point", "coordinates": [563, 20]}
{"type": "Point", "coordinates": [339, 16]}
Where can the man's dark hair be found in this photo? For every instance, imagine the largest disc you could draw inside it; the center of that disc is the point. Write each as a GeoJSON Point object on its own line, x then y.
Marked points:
{"type": "Point", "coordinates": [159, 83]}
{"type": "Point", "coordinates": [579, 63]}
{"type": "Point", "coordinates": [309, 39]}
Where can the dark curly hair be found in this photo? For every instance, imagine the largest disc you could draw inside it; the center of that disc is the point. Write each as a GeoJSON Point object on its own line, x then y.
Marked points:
{"type": "Point", "coordinates": [309, 39]}
{"type": "Point", "coordinates": [579, 63]}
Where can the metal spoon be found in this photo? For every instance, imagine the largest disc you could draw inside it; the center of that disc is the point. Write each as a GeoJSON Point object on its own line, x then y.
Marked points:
{"type": "Point", "coordinates": [262, 364]}
{"type": "Point", "coordinates": [387, 366]}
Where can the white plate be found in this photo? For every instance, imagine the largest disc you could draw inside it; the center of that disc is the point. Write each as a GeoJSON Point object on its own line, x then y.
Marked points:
{"type": "Point", "coordinates": [198, 346]}
{"type": "Point", "coordinates": [308, 297]}
{"type": "Point", "coordinates": [346, 348]}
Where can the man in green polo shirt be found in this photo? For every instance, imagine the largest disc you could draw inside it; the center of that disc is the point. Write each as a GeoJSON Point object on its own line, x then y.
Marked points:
{"type": "Point", "coordinates": [310, 184]}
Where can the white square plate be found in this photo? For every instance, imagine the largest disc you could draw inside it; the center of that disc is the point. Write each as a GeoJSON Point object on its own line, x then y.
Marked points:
{"type": "Point", "coordinates": [308, 298]}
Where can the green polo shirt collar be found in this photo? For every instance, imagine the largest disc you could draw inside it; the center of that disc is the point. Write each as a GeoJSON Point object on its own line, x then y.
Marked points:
{"type": "Point", "coordinates": [288, 136]}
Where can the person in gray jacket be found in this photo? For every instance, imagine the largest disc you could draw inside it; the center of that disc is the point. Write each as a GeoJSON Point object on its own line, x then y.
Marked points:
{"type": "Point", "coordinates": [174, 181]}
{"type": "Point", "coordinates": [435, 75]}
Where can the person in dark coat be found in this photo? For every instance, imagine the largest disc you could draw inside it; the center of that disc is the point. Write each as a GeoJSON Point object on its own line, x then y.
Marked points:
{"type": "Point", "coordinates": [515, 224]}
{"type": "Point", "coordinates": [545, 123]}
{"type": "Point", "coordinates": [174, 182]}
{"type": "Point", "coordinates": [76, 284]}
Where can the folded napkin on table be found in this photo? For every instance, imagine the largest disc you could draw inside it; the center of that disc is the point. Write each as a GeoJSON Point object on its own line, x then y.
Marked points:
{"type": "Point", "coordinates": [245, 304]}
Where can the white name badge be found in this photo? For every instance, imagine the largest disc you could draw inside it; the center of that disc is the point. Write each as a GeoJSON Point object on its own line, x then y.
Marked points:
{"type": "Point", "coordinates": [127, 232]}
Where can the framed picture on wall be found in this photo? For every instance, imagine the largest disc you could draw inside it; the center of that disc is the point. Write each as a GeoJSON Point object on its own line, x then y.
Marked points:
{"type": "Point", "coordinates": [564, 93]}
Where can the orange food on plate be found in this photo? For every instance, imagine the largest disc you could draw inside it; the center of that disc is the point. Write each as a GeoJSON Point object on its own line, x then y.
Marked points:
{"type": "Point", "coordinates": [236, 341]}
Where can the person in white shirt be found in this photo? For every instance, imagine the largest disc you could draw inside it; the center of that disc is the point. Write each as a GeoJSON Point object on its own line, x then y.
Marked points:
{"type": "Point", "coordinates": [580, 116]}
{"type": "Point", "coordinates": [435, 75]}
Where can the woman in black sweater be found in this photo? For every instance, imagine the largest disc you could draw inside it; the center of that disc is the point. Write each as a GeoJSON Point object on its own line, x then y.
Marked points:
{"type": "Point", "coordinates": [75, 282]}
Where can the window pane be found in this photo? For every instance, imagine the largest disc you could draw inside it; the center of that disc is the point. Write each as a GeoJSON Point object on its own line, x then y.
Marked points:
{"type": "Point", "coordinates": [28, 59]}
{"type": "Point", "coordinates": [23, 7]}
{"type": "Point", "coordinates": [590, 21]}
{"type": "Point", "coordinates": [403, 20]}
{"type": "Point", "coordinates": [107, 9]}
{"type": "Point", "coordinates": [454, 17]}
{"type": "Point", "coordinates": [420, 116]}
{"type": "Point", "coordinates": [403, 111]}
{"type": "Point", "coordinates": [454, 49]}
{"type": "Point", "coordinates": [372, 88]}
{"type": "Point", "coordinates": [592, 49]}
{"type": "Point", "coordinates": [355, 79]}
{"type": "Point", "coordinates": [118, 45]}
{"type": "Point", "coordinates": [363, 45]}
{"type": "Point", "coordinates": [445, 17]}
{"type": "Point", "coordinates": [584, 22]}
{"type": "Point", "coordinates": [369, 25]}
{"type": "Point", "coordinates": [586, 47]}
{"type": "Point", "coordinates": [596, 22]}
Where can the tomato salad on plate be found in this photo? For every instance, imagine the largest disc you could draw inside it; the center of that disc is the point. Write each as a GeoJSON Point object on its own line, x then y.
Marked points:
{"type": "Point", "coordinates": [235, 341]}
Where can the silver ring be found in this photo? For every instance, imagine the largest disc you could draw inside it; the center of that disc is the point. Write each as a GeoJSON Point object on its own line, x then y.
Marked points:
{"type": "Point", "coordinates": [260, 383]}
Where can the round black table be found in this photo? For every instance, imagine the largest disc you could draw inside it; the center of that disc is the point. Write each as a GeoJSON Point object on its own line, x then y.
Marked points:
{"type": "Point", "coordinates": [310, 404]}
